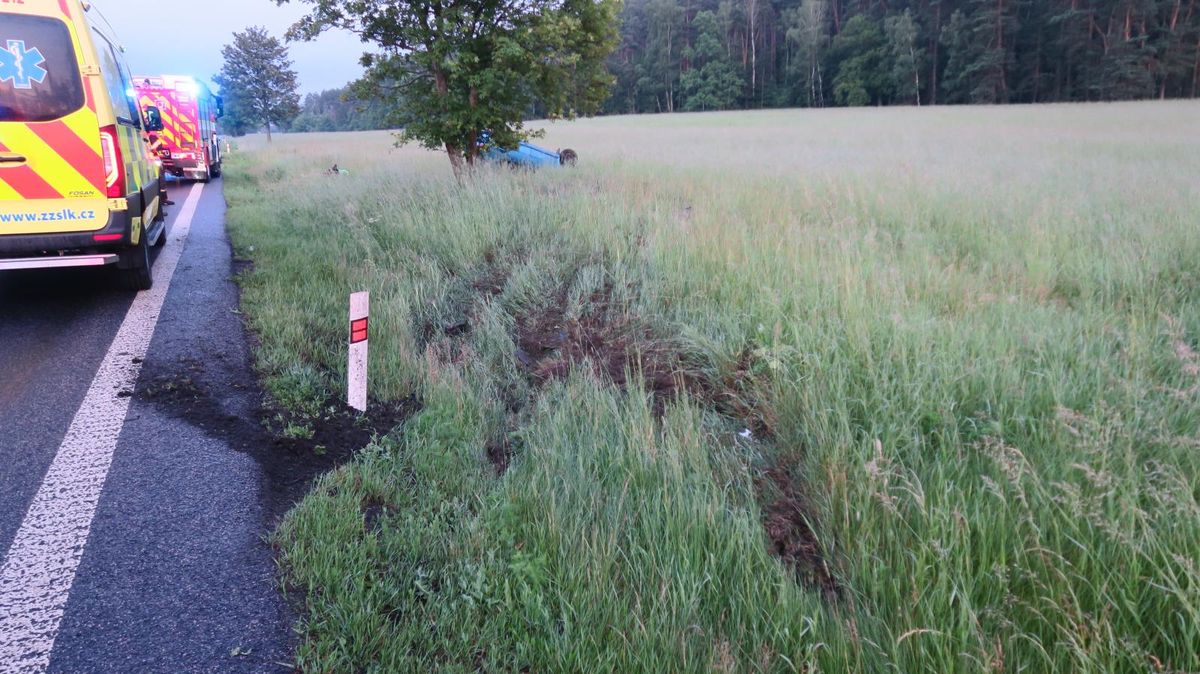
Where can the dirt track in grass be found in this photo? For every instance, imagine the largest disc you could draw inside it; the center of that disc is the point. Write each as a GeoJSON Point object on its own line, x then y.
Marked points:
{"type": "Point", "coordinates": [617, 347]}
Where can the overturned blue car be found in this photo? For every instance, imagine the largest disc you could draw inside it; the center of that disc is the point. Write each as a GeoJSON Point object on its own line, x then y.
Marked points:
{"type": "Point", "coordinates": [525, 155]}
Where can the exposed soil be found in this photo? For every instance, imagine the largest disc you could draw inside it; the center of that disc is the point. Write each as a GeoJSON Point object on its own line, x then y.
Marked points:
{"type": "Point", "coordinates": [500, 454]}
{"type": "Point", "coordinates": [606, 338]}
{"type": "Point", "coordinates": [618, 347]}
{"type": "Point", "coordinates": [231, 407]}
{"type": "Point", "coordinates": [492, 281]}
{"type": "Point", "coordinates": [787, 519]}
{"type": "Point", "coordinates": [373, 510]}
{"type": "Point", "coordinates": [241, 265]}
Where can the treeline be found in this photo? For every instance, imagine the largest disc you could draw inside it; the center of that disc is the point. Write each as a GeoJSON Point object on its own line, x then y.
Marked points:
{"type": "Point", "coordinates": [339, 110]}
{"type": "Point", "coordinates": [720, 54]}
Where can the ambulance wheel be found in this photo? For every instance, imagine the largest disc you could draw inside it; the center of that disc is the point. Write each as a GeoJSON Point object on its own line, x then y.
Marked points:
{"type": "Point", "coordinates": [161, 220]}
{"type": "Point", "coordinates": [133, 266]}
{"type": "Point", "coordinates": [162, 236]}
{"type": "Point", "coordinates": [216, 170]}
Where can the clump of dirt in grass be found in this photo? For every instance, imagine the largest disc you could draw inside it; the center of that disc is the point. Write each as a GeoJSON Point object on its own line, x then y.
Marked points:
{"type": "Point", "coordinates": [500, 454]}
{"type": "Point", "coordinates": [241, 266]}
{"type": "Point", "coordinates": [618, 346]}
{"type": "Point", "coordinates": [607, 338]}
{"type": "Point", "coordinates": [337, 429]}
{"type": "Point", "coordinates": [787, 520]}
{"type": "Point", "coordinates": [610, 340]}
{"type": "Point", "coordinates": [491, 281]}
{"type": "Point", "coordinates": [373, 510]}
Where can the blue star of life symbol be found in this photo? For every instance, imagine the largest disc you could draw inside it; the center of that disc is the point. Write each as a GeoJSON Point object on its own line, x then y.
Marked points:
{"type": "Point", "coordinates": [22, 66]}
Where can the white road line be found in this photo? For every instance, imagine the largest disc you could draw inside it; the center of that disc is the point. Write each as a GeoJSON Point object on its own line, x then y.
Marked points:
{"type": "Point", "coordinates": [39, 569]}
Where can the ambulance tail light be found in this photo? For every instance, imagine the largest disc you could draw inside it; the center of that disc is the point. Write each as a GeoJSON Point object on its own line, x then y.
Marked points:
{"type": "Point", "coordinates": [114, 168]}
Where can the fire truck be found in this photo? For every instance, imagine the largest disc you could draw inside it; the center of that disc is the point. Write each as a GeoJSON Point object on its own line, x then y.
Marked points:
{"type": "Point", "coordinates": [187, 144]}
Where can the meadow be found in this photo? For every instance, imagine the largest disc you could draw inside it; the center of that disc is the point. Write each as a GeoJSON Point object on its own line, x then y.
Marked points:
{"type": "Point", "coordinates": [855, 390]}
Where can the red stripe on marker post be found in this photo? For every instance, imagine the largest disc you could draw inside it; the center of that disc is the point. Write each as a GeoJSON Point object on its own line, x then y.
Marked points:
{"type": "Point", "coordinates": [356, 369]}
{"type": "Point", "coordinates": [358, 331]}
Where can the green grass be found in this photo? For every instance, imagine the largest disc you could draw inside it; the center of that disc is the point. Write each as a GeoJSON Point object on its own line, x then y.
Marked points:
{"type": "Point", "coordinates": [966, 338]}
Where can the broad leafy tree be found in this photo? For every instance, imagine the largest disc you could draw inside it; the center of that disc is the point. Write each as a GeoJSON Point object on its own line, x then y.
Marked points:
{"type": "Point", "coordinates": [451, 69]}
{"type": "Point", "coordinates": [257, 82]}
{"type": "Point", "coordinates": [859, 57]}
{"type": "Point", "coordinates": [714, 81]}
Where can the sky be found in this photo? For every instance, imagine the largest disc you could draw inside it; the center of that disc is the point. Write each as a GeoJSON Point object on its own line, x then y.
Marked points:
{"type": "Point", "coordinates": [184, 37]}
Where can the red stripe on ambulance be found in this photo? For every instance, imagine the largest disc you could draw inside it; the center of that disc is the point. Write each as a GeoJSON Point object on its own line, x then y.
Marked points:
{"type": "Point", "coordinates": [26, 182]}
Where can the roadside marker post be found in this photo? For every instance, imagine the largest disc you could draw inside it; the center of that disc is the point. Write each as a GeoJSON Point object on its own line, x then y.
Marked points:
{"type": "Point", "coordinates": [356, 370]}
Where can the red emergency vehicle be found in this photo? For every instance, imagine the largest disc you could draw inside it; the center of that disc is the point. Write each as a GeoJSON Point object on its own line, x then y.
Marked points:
{"type": "Point", "coordinates": [187, 144]}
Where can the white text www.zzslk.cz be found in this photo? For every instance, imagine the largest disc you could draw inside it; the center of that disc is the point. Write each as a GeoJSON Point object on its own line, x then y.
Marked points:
{"type": "Point", "coordinates": [65, 214]}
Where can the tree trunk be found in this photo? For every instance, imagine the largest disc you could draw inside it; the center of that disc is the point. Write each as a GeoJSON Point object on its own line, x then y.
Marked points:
{"type": "Point", "coordinates": [268, 129]}
{"type": "Point", "coordinates": [1168, 51]}
{"type": "Point", "coordinates": [1196, 70]}
{"type": "Point", "coordinates": [1037, 70]}
{"type": "Point", "coordinates": [1003, 55]}
{"type": "Point", "coordinates": [456, 160]}
{"type": "Point", "coordinates": [472, 152]}
{"type": "Point", "coordinates": [453, 151]}
{"type": "Point", "coordinates": [815, 97]}
{"type": "Point", "coordinates": [933, 70]}
{"type": "Point", "coordinates": [1066, 71]}
{"type": "Point", "coordinates": [472, 149]}
{"type": "Point", "coordinates": [752, 11]}
{"type": "Point", "coordinates": [916, 74]}
{"type": "Point", "coordinates": [667, 75]}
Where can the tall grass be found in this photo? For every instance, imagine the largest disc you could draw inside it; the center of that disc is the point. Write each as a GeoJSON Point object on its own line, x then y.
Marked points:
{"type": "Point", "coordinates": [974, 330]}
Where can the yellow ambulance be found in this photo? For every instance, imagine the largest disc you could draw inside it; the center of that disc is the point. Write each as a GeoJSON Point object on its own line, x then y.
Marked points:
{"type": "Point", "coordinates": [78, 185]}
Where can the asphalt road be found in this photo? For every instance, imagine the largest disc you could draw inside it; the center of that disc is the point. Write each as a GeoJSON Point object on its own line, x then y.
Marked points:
{"type": "Point", "coordinates": [175, 575]}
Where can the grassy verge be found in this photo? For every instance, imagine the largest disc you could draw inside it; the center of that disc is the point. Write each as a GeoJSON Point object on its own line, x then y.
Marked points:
{"type": "Point", "coordinates": [866, 419]}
